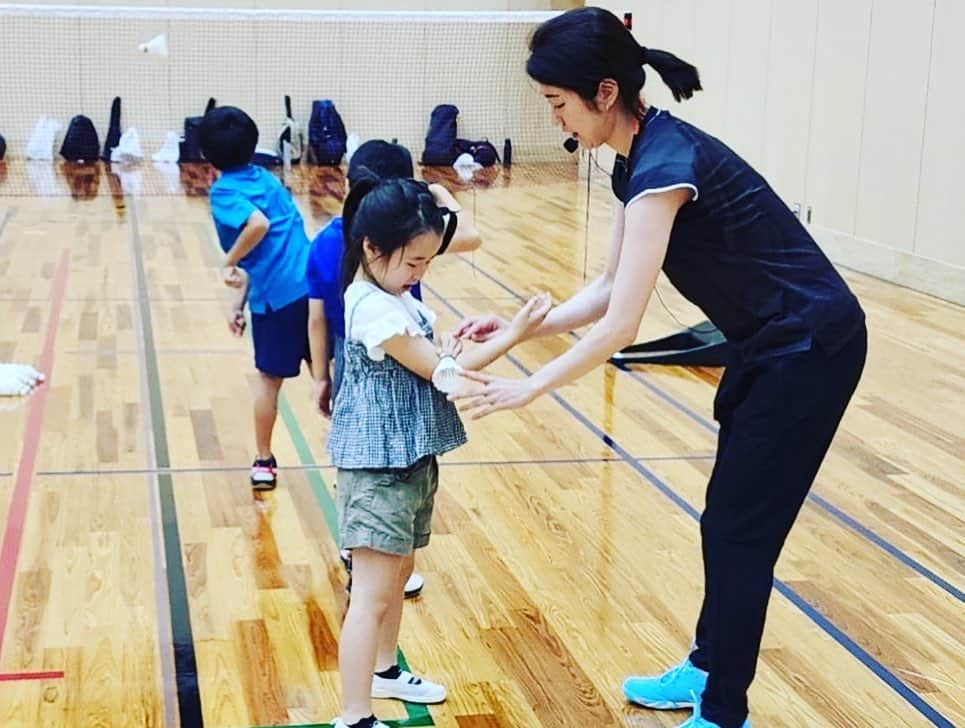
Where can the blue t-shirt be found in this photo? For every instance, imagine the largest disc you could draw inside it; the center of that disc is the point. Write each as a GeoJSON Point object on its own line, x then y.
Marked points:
{"type": "Point", "coordinates": [276, 266]}
{"type": "Point", "coordinates": [736, 250]}
{"type": "Point", "coordinates": [325, 278]}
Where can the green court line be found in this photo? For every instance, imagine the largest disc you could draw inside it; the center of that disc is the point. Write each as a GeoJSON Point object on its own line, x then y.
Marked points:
{"type": "Point", "coordinates": [418, 714]}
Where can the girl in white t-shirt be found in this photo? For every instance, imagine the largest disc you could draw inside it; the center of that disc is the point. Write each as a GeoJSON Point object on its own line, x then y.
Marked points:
{"type": "Point", "coordinates": [391, 420]}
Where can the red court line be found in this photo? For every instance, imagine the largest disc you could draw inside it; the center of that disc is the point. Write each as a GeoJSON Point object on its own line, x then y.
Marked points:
{"type": "Point", "coordinates": [19, 676]}
{"type": "Point", "coordinates": [16, 515]}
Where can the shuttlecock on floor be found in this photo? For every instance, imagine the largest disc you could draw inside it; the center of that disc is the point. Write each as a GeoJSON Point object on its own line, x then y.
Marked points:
{"type": "Point", "coordinates": [41, 143]}
{"type": "Point", "coordinates": [168, 153]}
{"type": "Point", "coordinates": [18, 379]}
{"type": "Point", "coordinates": [157, 46]}
{"type": "Point", "coordinates": [128, 150]}
{"type": "Point", "coordinates": [465, 166]}
{"type": "Point", "coordinates": [171, 174]}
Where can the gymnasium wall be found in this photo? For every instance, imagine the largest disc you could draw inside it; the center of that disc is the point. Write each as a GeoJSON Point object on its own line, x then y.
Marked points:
{"type": "Point", "coordinates": [852, 110]}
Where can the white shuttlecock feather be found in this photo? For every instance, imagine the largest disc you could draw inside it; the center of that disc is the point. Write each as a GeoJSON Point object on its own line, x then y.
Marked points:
{"type": "Point", "coordinates": [157, 46]}
{"type": "Point", "coordinates": [466, 166]}
{"type": "Point", "coordinates": [18, 379]}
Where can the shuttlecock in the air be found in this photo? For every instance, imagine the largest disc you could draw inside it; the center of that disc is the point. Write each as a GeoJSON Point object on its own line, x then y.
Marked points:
{"type": "Point", "coordinates": [157, 46]}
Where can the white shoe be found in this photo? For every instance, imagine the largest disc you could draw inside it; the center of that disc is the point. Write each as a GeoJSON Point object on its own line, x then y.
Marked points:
{"type": "Point", "coordinates": [409, 688]}
{"type": "Point", "coordinates": [413, 587]}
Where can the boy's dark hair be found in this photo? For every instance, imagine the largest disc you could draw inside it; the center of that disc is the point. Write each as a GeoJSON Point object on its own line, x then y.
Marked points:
{"type": "Point", "coordinates": [384, 159]}
{"type": "Point", "coordinates": [583, 46]}
{"type": "Point", "coordinates": [228, 137]}
{"type": "Point", "coordinates": [389, 213]}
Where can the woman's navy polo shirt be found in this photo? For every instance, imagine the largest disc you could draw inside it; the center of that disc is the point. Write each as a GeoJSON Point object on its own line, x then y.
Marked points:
{"type": "Point", "coordinates": [736, 250]}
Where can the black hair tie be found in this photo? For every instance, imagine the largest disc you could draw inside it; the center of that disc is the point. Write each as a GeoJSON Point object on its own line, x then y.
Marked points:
{"type": "Point", "coordinates": [643, 55]}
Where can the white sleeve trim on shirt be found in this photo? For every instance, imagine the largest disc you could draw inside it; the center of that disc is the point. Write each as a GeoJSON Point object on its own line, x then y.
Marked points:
{"type": "Point", "coordinates": [377, 316]}
{"type": "Point", "coordinates": [387, 326]}
{"type": "Point", "coordinates": [668, 188]}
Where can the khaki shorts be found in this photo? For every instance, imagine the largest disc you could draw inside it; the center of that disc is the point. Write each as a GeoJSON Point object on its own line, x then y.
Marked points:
{"type": "Point", "coordinates": [387, 510]}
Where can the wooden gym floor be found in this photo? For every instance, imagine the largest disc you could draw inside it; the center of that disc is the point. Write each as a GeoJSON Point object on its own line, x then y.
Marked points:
{"type": "Point", "coordinates": [141, 584]}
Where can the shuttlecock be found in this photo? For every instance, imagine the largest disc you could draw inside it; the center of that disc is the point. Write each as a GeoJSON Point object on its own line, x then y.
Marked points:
{"type": "Point", "coordinates": [171, 174]}
{"type": "Point", "coordinates": [41, 143]}
{"type": "Point", "coordinates": [157, 46]}
{"type": "Point", "coordinates": [128, 150]}
{"type": "Point", "coordinates": [447, 376]}
{"type": "Point", "coordinates": [351, 144]}
{"type": "Point", "coordinates": [465, 166]}
{"type": "Point", "coordinates": [168, 153]}
{"type": "Point", "coordinates": [18, 379]}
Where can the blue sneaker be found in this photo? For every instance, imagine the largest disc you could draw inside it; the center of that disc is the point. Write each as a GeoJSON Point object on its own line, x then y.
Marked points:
{"type": "Point", "coordinates": [696, 721]}
{"type": "Point", "coordinates": [676, 688]}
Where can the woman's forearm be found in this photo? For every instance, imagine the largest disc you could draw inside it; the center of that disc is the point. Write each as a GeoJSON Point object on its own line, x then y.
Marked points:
{"type": "Point", "coordinates": [482, 355]}
{"type": "Point", "coordinates": [584, 308]}
{"type": "Point", "coordinates": [600, 343]}
{"type": "Point", "coordinates": [622, 307]}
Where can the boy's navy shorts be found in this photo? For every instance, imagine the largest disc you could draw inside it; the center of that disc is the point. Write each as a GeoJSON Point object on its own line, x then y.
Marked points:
{"type": "Point", "coordinates": [281, 339]}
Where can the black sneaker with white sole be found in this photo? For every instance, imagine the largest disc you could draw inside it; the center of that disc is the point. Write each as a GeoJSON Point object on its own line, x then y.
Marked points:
{"type": "Point", "coordinates": [263, 475]}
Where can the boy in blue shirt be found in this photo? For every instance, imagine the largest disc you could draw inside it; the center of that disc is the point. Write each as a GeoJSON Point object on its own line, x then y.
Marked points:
{"type": "Point", "coordinates": [266, 250]}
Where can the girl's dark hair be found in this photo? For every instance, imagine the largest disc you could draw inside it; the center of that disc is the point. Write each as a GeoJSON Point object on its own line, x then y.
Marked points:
{"type": "Point", "coordinates": [389, 212]}
{"type": "Point", "coordinates": [382, 158]}
{"type": "Point", "coordinates": [581, 47]}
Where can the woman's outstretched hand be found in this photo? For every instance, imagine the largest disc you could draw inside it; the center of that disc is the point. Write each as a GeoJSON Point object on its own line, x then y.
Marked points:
{"type": "Point", "coordinates": [484, 327]}
{"type": "Point", "coordinates": [530, 316]}
{"type": "Point", "coordinates": [486, 394]}
{"type": "Point", "coordinates": [480, 328]}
